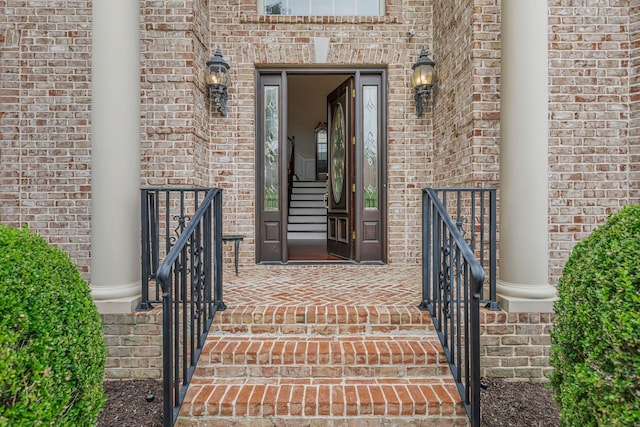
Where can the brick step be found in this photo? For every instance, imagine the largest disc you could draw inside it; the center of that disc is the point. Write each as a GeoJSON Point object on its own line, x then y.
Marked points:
{"type": "Point", "coordinates": [316, 365]}
{"type": "Point", "coordinates": [321, 357]}
{"type": "Point", "coordinates": [308, 402]}
{"type": "Point", "coordinates": [324, 320]}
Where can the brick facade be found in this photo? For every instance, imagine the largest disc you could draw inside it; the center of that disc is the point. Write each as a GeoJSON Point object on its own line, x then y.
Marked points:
{"type": "Point", "coordinates": [634, 99]}
{"type": "Point", "coordinates": [515, 346]}
{"type": "Point", "coordinates": [594, 111]}
{"type": "Point", "coordinates": [46, 98]}
{"type": "Point", "coordinates": [589, 103]}
{"type": "Point", "coordinates": [134, 345]}
{"type": "Point", "coordinates": [45, 112]}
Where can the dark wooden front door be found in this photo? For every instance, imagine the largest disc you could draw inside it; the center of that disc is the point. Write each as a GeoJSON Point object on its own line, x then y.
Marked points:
{"type": "Point", "coordinates": [340, 219]}
{"type": "Point", "coordinates": [356, 175]}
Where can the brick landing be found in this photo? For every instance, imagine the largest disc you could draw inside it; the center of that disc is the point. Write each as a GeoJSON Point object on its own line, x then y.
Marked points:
{"type": "Point", "coordinates": [322, 346]}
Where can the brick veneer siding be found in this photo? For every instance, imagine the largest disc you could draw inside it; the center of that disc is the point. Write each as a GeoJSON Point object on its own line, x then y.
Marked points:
{"type": "Point", "coordinates": [515, 346]}
{"type": "Point", "coordinates": [466, 102]}
{"type": "Point", "coordinates": [45, 112]}
{"type": "Point", "coordinates": [589, 103]}
{"type": "Point", "coordinates": [175, 105]}
{"type": "Point", "coordinates": [134, 345]}
{"type": "Point", "coordinates": [634, 93]}
{"type": "Point", "coordinates": [46, 64]}
{"type": "Point", "coordinates": [594, 110]}
{"type": "Point", "coordinates": [249, 40]}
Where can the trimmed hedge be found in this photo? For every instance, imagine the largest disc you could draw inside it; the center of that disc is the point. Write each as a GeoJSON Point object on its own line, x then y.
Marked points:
{"type": "Point", "coordinates": [595, 342]}
{"type": "Point", "coordinates": [52, 351]}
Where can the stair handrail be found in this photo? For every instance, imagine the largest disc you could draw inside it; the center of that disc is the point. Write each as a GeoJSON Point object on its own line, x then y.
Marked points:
{"type": "Point", "coordinates": [452, 282]}
{"type": "Point", "coordinates": [191, 281]}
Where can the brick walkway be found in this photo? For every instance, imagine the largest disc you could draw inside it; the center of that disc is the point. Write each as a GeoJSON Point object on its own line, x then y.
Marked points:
{"type": "Point", "coordinates": [322, 345]}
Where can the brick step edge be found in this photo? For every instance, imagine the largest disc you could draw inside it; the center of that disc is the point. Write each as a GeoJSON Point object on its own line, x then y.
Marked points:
{"type": "Point", "coordinates": [323, 315]}
{"type": "Point", "coordinates": [322, 330]}
{"type": "Point", "coordinates": [281, 398]}
{"type": "Point", "coordinates": [351, 421]}
{"type": "Point", "coordinates": [313, 350]}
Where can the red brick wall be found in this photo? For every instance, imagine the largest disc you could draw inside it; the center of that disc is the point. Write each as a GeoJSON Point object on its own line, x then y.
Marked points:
{"type": "Point", "coordinates": [634, 99]}
{"type": "Point", "coordinates": [45, 110]}
{"type": "Point", "coordinates": [589, 50]}
{"type": "Point", "coordinates": [45, 66]}
{"type": "Point", "coordinates": [248, 39]}
{"type": "Point", "coordinates": [515, 346]}
{"type": "Point", "coordinates": [175, 105]}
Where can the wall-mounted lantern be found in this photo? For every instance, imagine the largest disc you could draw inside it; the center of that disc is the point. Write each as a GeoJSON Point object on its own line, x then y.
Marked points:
{"type": "Point", "coordinates": [218, 81]}
{"type": "Point", "coordinates": [423, 80]}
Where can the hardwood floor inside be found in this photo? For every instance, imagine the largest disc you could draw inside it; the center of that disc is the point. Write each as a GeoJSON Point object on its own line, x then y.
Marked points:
{"type": "Point", "coordinates": [310, 250]}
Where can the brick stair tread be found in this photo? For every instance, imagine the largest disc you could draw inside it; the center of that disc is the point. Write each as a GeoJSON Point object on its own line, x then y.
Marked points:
{"type": "Point", "coordinates": [320, 350]}
{"type": "Point", "coordinates": [318, 314]}
{"type": "Point", "coordinates": [337, 397]}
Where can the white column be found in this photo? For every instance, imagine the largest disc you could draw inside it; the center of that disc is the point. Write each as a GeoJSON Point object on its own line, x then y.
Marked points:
{"type": "Point", "coordinates": [115, 156]}
{"type": "Point", "coordinates": [523, 281]}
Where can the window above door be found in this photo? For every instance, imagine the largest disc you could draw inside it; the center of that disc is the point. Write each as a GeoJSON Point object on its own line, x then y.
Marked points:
{"type": "Point", "coordinates": [321, 7]}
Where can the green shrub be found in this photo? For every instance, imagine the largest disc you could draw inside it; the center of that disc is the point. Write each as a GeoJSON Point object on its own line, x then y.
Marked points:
{"type": "Point", "coordinates": [52, 351]}
{"type": "Point", "coordinates": [595, 342]}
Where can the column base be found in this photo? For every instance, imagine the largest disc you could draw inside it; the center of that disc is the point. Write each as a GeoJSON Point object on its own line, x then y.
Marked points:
{"type": "Point", "coordinates": [114, 298]}
{"type": "Point", "coordinates": [118, 305]}
{"type": "Point", "coordinates": [519, 298]}
{"type": "Point", "coordinates": [525, 305]}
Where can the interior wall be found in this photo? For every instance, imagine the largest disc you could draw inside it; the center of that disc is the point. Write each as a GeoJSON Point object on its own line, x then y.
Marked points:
{"type": "Point", "coordinates": [307, 107]}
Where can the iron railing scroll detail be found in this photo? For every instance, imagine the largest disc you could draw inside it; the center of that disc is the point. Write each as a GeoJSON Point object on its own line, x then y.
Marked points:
{"type": "Point", "coordinates": [454, 281]}
{"type": "Point", "coordinates": [165, 213]}
{"type": "Point", "coordinates": [189, 280]}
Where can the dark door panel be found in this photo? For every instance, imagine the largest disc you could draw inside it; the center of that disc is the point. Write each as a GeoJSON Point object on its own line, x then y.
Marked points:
{"type": "Point", "coordinates": [340, 109]}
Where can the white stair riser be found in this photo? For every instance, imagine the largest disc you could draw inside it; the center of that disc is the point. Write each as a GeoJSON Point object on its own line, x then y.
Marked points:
{"type": "Point", "coordinates": [322, 184]}
{"type": "Point", "coordinates": [307, 204]}
{"type": "Point", "coordinates": [307, 227]}
{"type": "Point", "coordinates": [314, 219]}
{"type": "Point", "coordinates": [307, 211]}
{"type": "Point", "coordinates": [298, 235]}
{"type": "Point", "coordinates": [305, 196]}
{"type": "Point", "coordinates": [296, 190]}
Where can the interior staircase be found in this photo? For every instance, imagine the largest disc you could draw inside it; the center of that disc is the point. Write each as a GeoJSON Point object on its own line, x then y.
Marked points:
{"type": "Point", "coordinates": [322, 365]}
{"type": "Point", "coordinates": [307, 211]}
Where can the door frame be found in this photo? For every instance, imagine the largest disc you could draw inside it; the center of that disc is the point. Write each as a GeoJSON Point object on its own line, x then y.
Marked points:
{"type": "Point", "coordinates": [275, 250]}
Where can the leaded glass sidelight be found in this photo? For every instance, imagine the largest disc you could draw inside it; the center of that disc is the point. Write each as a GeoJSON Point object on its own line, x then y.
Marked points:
{"type": "Point", "coordinates": [271, 152]}
{"type": "Point", "coordinates": [370, 133]}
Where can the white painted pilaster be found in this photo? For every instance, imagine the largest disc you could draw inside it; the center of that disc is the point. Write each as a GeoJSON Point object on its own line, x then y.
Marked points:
{"type": "Point", "coordinates": [523, 282]}
{"type": "Point", "coordinates": [115, 156]}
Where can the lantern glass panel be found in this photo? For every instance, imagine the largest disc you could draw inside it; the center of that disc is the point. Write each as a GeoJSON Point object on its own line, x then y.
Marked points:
{"type": "Point", "coordinates": [422, 75]}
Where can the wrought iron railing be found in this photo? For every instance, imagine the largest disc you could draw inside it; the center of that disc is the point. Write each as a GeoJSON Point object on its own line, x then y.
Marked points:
{"type": "Point", "coordinates": [474, 213]}
{"type": "Point", "coordinates": [189, 279]}
{"type": "Point", "coordinates": [165, 214]}
{"type": "Point", "coordinates": [453, 279]}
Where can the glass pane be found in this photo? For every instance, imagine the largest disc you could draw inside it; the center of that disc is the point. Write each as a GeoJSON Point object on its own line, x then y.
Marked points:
{"type": "Point", "coordinates": [344, 7]}
{"type": "Point", "coordinates": [338, 136]}
{"type": "Point", "coordinates": [271, 154]}
{"type": "Point", "coordinates": [323, 7]}
{"type": "Point", "coordinates": [370, 132]}
{"type": "Point", "coordinates": [298, 8]}
{"type": "Point", "coordinates": [368, 8]}
{"type": "Point", "coordinates": [274, 7]}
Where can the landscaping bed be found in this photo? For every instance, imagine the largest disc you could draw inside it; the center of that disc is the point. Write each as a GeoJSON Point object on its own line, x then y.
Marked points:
{"type": "Point", "coordinates": [512, 404]}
